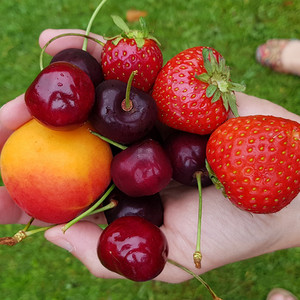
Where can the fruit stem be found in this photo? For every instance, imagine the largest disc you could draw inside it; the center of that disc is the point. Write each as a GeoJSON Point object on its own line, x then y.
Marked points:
{"type": "Point", "coordinates": [213, 294]}
{"type": "Point", "coordinates": [88, 29]}
{"type": "Point", "coordinates": [63, 35]}
{"type": "Point", "coordinates": [88, 211]}
{"type": "Point", "coordinates": [21, 235]}
{"type": "Point", "coordinates": [113, 203]}
{"type": "Point", "coordinates": [120, 146]}
{"type": "Point", "coordinates": [197, 254]}
{"type": "Point", "coordinates": [28, 225]}
{"type": "Point", "coordinates": [127, 103]}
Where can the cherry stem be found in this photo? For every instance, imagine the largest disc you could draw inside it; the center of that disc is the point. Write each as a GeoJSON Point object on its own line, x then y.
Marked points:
{"type": "Point", "coordinates": [28, 225]}
{"type": "Point", "coordinates": [127, 103]}
{"type": "Point", "coordinates": [197, 254]}
{"type": "Point", "coordinates": [88, 211]}
{"type": "Point", "coordinates": [213, 294]}
{"type": "Point", "coordinates": [63, 35]}
{"type": "Point", "coordinates": [88, 29]}
{"type": "Point", "coordinates": [110, 205]}
{"type": "Point", "coordinates": [21, 235]}
{"type": "Point", "coordinates": [120, 146]}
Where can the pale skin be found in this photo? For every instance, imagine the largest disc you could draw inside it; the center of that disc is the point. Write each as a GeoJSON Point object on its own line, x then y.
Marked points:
{"type": "Point", "coordinates": [228, 234]}
{"type": "Point", "coordinates": [290, 57]}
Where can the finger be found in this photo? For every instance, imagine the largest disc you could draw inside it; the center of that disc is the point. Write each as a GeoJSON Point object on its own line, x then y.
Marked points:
{"type": "Point", "coordinates": [13, 114]}
{"type": "Point", "coordinates": [81, 240]}
{"type": "Point", "coordinates": [250, 105]}
{"type": "Point", "coordinates": [10, 213]}
{"type": "Point", "coordinates": [69, 41]}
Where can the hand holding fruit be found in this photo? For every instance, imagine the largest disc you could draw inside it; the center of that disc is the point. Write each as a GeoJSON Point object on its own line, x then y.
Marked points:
{"type": "Point", "coordinates": [229, 234]}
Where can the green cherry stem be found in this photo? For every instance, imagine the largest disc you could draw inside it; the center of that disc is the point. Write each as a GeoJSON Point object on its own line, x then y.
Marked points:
{"type": "Point", "coordinates": [28, 224]}
{"type": "Point", "coordinates": [89, 26]}
{"type": "Point", "coordinates": [88, 211]}
{"type": "Point", "coordinates": [120, 146]}
{"type": "Point", "coordinates": [63, 35]}
{"type": "Point", "coordinates": [127, 103]}
{"type": "Point", "coordinates": [202, 281]}
{"type": "Point", "coordinates": [197, 254]}
{"type": "Point", "coordinates": [110, 205]}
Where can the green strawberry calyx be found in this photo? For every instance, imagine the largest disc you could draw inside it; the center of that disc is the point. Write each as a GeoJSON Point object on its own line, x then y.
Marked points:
{"type": "Point", "coordinates": [139, 36]}
{"type": "Point", "coordinates": [214, 178]}
{"type": "Point", "coordinates": [218, 77]}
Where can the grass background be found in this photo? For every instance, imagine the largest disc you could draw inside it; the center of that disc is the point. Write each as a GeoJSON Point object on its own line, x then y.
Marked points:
{"type": "Point", "coordinates": [36, 269]}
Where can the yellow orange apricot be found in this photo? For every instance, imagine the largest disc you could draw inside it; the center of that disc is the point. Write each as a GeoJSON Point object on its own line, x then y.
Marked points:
{"type": "Point", "coordinates": [54, 175]}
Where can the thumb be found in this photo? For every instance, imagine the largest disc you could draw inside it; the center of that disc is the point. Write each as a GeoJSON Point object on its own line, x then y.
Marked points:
{"type": "Point", "coordinates": [65, 42]}
{"type": "Point", "coordinates": [81, 240]}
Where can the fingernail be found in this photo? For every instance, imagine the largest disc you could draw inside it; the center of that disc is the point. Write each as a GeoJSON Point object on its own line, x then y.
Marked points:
{"type": "Point", "coordinates": [65, 244]}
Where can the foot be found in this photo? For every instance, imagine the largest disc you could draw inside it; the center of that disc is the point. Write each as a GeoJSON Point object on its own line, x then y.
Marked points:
{"type": "Point", "coordinates": [281, 294]}
{"type": "Point", "coordinates": [281, 55]}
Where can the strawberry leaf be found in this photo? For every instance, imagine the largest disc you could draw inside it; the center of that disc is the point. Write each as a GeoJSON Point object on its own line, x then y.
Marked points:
{"type": "Point", "coordinates": [140, 42]}
{"type": "Point", "coordinates": [207, 65]}
{"type": "Point", "coordinates": [214, 178]}
{"type": "Point", "coordinates": [216, 96]}
{"type": "Point", "coordinates": [232, 104]}
{"type": "Point", "coordinates": [204, 77]}
{"type": "Point", "coordinates": [139, 36]}
{"type": "Point", "coordinates": [120, 23]}
{"type": "Point", "coordinates": [237, 87]}
{"type": "Point", "coordinates": [218, 78]}
{"type": "Point", "coordinates": [210, 90]}
{"type": "Point", "coordinates": [117, 40]}
{"type": "Point", "coordinates": [225, 97]}
{"type": "Point", "coordinates": [144, 27]}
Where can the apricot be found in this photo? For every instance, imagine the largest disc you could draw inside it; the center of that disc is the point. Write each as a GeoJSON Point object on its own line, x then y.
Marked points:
{"type": "Point", "coordinates": [54, 175]}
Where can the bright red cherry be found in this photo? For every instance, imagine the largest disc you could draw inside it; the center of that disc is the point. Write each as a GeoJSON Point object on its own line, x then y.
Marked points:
{"type": "Point", "coordinates": [61, 96]}
{"type": "Point", "coordinates": [134, 248]}
{"type": "Point", "coordinates": [142, 169]}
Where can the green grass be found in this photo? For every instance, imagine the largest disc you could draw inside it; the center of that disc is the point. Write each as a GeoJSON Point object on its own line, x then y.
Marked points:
{"type": "Point", "coordinates": [36, 269]}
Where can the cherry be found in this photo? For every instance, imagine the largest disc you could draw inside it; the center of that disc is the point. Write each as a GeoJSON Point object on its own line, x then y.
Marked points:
{"type": "Point", "coordinates": [142, 169]}
{"type": "Point", "coordinates": [124, 115]}
{"type": "Point", "coordinates": [134, 248]}
{"type": "Point", "coordinates": [148, 207]}
{"type": "Point", "coordinates": [187, 153]}
{"type": "Point", "coordinates": [61, 96]}
{"type": "Point", "coordinates": [82, 59]}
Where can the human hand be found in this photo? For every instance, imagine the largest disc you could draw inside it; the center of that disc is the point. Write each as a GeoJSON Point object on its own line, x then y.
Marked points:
{"type": "Point", "coordinates": [228, 234]}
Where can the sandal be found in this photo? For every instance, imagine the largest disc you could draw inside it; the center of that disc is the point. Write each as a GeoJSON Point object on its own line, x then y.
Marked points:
{"type": "Point", "coordinates": [269, 54]}
{"type": "Point", "coordinates": [281, 292]}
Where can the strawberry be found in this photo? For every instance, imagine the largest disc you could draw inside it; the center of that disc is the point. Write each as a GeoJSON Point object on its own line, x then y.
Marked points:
{"type": "Point", "coordinates": [256, 161]}
{"type": "Point", "coordinates": [193, 91]}
{"type": "Point", "coordinates": [133, 50]}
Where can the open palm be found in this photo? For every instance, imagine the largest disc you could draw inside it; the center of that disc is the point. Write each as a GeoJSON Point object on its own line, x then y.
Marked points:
{"type": "Point", "coordinates": [228, 234]}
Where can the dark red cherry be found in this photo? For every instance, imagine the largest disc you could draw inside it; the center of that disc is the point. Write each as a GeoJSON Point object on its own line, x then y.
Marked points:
{"type": "Point", "coordinates": [112, 119]}
{"type": "Point", "coordinates": [134, 248]}
{"type": "Point", "coordinates": [142, 169]}
{"type": "Point", "coordinates": [147, 207]}
{"type": "Point", "coordinates": [61, 96]}
{"type": "Point", "coordinates": [187, 153]}
{"type": "Point", "coordinates": [82, 59]}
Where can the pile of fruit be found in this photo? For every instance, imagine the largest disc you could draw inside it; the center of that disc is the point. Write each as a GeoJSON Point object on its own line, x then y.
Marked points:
{"type": "Point", "coordinates": [121, 129]}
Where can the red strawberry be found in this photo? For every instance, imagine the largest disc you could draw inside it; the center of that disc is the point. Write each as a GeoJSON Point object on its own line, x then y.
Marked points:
{"type": "Point", "coordinates": [193, 91]}
{"type": "Point", "coordinates": [132, 51]}
{"type": "Point", "coordinates": [256, 160]}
